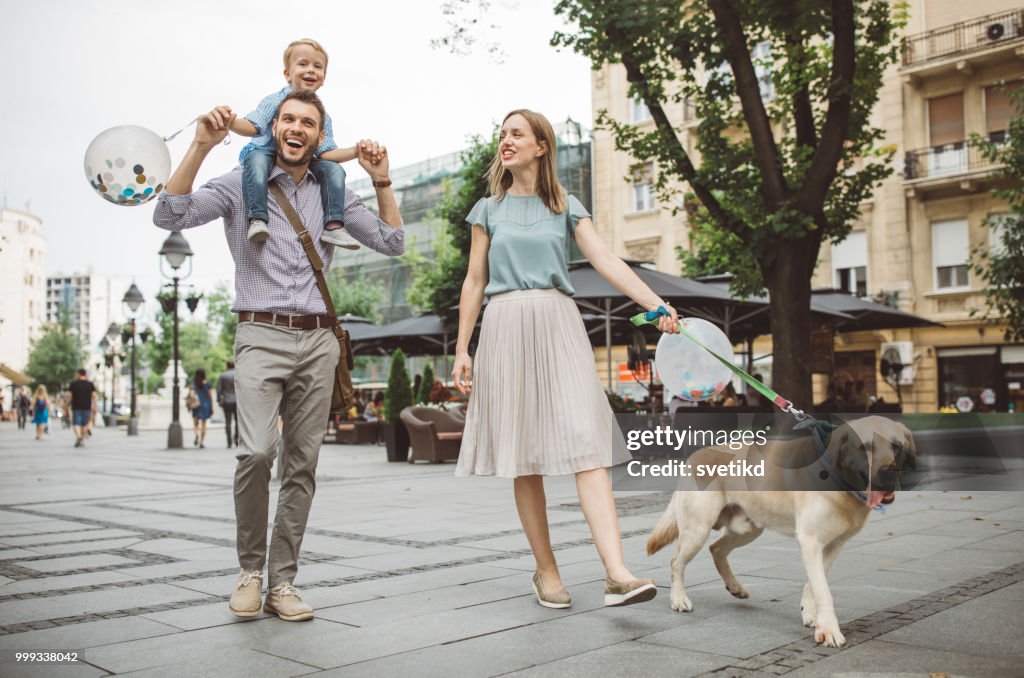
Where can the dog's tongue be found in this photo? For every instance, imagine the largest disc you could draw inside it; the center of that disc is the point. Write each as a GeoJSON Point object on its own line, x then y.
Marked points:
{"type": "Point", "coordinates": [875, 498]}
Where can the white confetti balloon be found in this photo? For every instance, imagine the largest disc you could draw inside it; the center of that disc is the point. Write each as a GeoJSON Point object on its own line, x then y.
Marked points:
{"type": "Point", "coordinates": [686, 369]}
{"type": "Point", "coordinates": [128, 165]}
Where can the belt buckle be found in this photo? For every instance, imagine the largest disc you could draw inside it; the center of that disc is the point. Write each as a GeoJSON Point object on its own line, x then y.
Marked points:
{"type": "Point", "coordinates": [290, 326]}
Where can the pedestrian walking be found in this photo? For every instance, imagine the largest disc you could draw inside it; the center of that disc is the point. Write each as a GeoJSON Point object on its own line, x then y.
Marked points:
{"type": "Point", "coordinates": [203, 410]}
{"type": "Point", "coordinates": [228, 402]}
{"type": "Point", "coordinates": [23, 404]}
{"type": "Point", "coordinates": [40, 410]}
{"type": "Point", "coordinates": [83, 402]}
{"type": "Point", "coordinates": [534, 359]}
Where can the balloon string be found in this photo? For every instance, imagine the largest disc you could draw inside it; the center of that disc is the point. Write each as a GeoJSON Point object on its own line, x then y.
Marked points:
{"type": "Point", "coordinates": [227, 139]}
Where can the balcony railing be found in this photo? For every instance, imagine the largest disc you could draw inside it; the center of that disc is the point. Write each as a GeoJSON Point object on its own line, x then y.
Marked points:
{"type": "Point", "coordinates": [966, 36]}
{"type": "Point", "coordinates": [946, 161]}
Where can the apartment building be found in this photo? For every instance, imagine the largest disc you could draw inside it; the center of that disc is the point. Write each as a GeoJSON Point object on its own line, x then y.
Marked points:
{"type": "Point", "coordinates": [913, 240]}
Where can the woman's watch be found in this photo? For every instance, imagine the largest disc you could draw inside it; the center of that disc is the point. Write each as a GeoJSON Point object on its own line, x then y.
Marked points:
{"type": "Point", "coordinates": [384, 183]}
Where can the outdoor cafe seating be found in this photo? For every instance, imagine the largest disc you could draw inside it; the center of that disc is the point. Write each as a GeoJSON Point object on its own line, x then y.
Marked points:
{"type": "Point", "coordinates": [434, 435]}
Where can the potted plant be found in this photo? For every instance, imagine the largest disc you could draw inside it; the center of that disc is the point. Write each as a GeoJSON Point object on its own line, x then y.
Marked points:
{"type": "Point", "coordinates": [399, 396]}
{"type": "Point", "coordinates": [423, 397]}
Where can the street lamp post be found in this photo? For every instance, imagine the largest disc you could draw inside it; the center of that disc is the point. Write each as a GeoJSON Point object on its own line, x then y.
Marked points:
{"type": "Point", "coordinates": [112, 333]}
{"type": "Point", "coordinates": [105, 350]}
{"type": "Point", "coordinates": [133, 300]}
{"type": "Point", "coordinates": [175, 251]}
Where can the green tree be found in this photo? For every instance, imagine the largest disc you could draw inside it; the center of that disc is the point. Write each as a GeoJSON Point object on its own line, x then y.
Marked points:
{"type": "Point", "coordinates": [223, 324]}
{"type": "Point", "coordinates": [352, 294]}
{"type": "Point", "coordinates": [56, 355]}
{"type": "Point", "coordinates": [437, 283]}
{"type": "Point", "coordinates": [194, 348]}
{"type": "Point", "coordinates": [425, 385]}
{"type": "Point", "coordinates": [399, 395]}
{"type": "Point", "coordinates": [783, 90]}
{"type": "Point", "coordinates": [1002, 267]}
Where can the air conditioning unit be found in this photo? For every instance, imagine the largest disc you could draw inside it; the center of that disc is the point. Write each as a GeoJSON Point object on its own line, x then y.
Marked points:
{"type": "Point", "coordinates": [899, 353]}
{"type": "Point", "coordinates": [999, 30]}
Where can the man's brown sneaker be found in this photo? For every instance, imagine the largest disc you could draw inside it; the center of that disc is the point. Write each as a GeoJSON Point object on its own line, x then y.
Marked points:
{"type": "Point", "coordinates": [627, 593]}
{"type": "Point", "coordinates": [245, 599]}
{"type": "Point", "coordinates": [284, 601]}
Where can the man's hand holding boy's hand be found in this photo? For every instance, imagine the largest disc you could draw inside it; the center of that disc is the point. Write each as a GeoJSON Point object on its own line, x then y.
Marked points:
{"type": "Point", "coordinates": [373, 157]}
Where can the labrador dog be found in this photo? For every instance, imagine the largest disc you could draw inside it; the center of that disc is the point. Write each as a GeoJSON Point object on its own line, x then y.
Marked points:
{"type": "Point", "coordinates": [864, 456]}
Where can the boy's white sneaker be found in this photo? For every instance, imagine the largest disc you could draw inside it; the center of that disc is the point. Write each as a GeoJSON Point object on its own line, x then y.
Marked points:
{"type": "Point", "coordinates": [258, 231]}
{"type": "Point", "coordinates": [339, 237]}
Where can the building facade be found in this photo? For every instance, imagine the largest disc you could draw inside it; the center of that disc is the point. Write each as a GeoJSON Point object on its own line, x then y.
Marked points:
{"type": "Point", "coordinates": [23, 281]}
{"type": "Point", "coordinates": [93, 302]}
{"type": "Point", "coordinates": [913, 240]}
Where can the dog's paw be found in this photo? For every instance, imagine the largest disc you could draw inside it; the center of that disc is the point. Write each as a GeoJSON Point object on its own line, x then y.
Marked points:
{"type": "Point", "coordinates": [829, 636]}
{"type": "Point", "coordinates": [681, 603]}
{"type": "Point", "coordinates": [737, 590]}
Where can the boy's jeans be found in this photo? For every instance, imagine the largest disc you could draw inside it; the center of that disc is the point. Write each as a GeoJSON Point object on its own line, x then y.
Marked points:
{"type": "Point", "coordinates": [256, 172]}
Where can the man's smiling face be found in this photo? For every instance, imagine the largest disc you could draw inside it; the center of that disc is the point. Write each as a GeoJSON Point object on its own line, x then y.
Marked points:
{"type": "Point", "coordinates": [297, 132]}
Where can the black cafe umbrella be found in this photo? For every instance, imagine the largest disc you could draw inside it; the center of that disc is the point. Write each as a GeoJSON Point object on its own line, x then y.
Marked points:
{"type": "Point", "coordinates": [865, 314]}
{"type": "Point", "coordinates": [356, 325]}
{"type": "Point", "coordinates": [420, 335]}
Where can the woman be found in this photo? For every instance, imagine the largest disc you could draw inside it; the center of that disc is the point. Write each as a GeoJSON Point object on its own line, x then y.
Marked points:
{"type": "Point", "coordinates": [537, 407]}
{"type": "Point", "coordinates": [372, 412]}
{"type": "Point", "coordinates": [40, 410]}
{"type": "Point", "coordinates": [202, 413]}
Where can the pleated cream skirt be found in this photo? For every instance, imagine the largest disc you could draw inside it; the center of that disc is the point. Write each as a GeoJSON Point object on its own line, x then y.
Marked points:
{"type": "Point", "coordinates": [537, 407]}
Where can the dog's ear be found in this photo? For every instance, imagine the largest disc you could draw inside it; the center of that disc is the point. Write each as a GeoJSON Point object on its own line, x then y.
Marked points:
{"type": "Point", "coordinates": [846, 449]}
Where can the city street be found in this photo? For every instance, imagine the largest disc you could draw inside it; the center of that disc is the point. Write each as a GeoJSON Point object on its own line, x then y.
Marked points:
{"type": "Point", "coordinates": [124, 552]}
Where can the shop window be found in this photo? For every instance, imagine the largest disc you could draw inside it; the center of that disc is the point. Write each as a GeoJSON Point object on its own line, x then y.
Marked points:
{"type": "Point", "coordinates": [950, 254]}
{"type": "Point", "coordinates": [968, 373]}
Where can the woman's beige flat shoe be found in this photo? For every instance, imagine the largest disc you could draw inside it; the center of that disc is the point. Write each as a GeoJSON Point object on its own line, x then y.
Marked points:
{"type": "Point", "coordinates": [559, 600]}
{"type": "Point", "coordinates": [617, 594]}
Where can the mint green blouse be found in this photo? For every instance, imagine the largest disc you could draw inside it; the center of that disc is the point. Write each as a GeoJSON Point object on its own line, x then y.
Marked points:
{"type": "Point", "coordinates": [529, 243]}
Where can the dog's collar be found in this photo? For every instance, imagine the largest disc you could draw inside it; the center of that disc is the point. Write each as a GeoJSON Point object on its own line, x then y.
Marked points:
{"type": "Point", "coordinates": [821, 431]}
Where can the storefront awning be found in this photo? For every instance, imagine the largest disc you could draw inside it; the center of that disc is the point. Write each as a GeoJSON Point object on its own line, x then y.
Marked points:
{"type": "Point", "coordinates": [14, 375]}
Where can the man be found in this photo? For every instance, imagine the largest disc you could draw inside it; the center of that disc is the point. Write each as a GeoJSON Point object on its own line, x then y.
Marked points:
{"type": "Point", "coordinates": [23, 404]}
{"type": "Point", "coordinates": [83, 400]}
{"type": "Point", "coordinates": [284, 348]}
{"type": "Point", "coordinates": [227, 402]}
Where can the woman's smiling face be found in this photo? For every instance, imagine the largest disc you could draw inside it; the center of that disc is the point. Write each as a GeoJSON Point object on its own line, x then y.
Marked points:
{"type": "Point", "coordinates": [517, 144]}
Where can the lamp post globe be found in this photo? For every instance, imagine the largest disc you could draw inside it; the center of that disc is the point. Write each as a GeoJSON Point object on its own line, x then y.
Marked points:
{"type": "Point", "coordinates": [133, 301]}
{"type": "Point", "coordinates": [175, 251]}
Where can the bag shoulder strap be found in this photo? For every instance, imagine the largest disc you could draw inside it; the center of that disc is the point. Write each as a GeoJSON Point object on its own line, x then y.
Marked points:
{"type": "Point", "coordinates": [307, 244]}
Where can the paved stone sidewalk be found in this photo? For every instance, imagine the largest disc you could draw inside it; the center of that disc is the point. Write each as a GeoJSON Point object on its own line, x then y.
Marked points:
{"type": "Point", "coordinates": [124, 552]}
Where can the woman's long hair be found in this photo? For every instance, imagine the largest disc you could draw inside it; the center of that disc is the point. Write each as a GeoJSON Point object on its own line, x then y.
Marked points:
{"type": "Point", "coordinates": [200, 377]}
{"type": "Point", "coordinates": [548, 188]}
{"type": "Point", "coordinates": [40, 393]}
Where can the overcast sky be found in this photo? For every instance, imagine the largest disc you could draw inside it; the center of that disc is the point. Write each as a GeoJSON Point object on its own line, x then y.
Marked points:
{"type": "Point", "coordinates": [72, 70]}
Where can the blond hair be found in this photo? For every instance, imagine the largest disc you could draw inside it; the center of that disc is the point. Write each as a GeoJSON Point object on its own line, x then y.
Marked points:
{"type": "Point", "coordinates": [548, 189]}
{"type": "Point", "coordinates": [40, 393]}
{"type": "Point", "coordinates": [304, 41]}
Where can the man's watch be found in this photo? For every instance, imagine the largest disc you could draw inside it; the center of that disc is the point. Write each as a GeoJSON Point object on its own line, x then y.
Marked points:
{"type": "Point", "coordinates": [382, 184]}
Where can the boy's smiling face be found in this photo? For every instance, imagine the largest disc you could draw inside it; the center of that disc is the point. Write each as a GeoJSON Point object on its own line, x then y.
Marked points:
{"type": "Point", "coordinates": [307, 69]}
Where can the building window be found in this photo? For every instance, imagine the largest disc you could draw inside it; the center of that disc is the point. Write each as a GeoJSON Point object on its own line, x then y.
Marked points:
{"type": "Point", "coordinates": [950, 254]}
{"type": "Point", "coordinates": [638, 111]}
{"type": "Point", "coordinates": [850, 264]}
{"type": "Point", "coordinates": [643, 197]}
{"type": "Point", "coordinates": [998, 110]}
{"type": "Point", "coordinates": [946, 135]}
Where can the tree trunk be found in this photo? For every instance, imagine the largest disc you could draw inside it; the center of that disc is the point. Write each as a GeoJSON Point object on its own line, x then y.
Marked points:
{"type": "Point", "coordinates": [788, 279]}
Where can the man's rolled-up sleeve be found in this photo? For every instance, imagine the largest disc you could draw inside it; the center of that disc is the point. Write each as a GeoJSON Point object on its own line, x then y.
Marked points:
{"type": "Point", "coordinates": [367, 228]}
{"type": "Point", "coordinates": [211, 201]}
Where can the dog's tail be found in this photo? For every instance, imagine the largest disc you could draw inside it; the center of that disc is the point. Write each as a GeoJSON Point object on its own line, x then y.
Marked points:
{"type": "Point", "coordinates": [665, 532]}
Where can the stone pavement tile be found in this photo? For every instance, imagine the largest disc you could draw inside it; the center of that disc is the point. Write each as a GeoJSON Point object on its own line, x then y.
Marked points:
{"type": "Point", "coordinates": [975, 530]}
{"type": "Point", "coordinates": [85, 547]}
{"type": "Point", "coordinates": [197, 616]}
{"type": "Point", "coordinates": [965, 562]}
{"type": "Point", "coordinates": [179, 569]}
{"type": "Point", "coordinates": [1012, 513]}
{"type": "Point", "coordinates": [1013, 592]}
{"type": "Point", "coordinates": [517, 541]}
{"type": "Point", "coordinates": [878, 658]}
{"type": "Point", "coordinates": [86, 634]}
{"type": "Point", "coordinates": [63, 582]}
{"type": "Point", "coordinates": [907, 546]}
{"type": "Point", "coordinates": [74, 562]}
{"type": "Point", "coordinates": [415, 558]}
{"type": "Point", "coordinates": [1011, 541]}
{"type": "Point", "coordinates": [89, 534]}
{"type": "Point", "coordinates": [627, 660]}
{"type": "Point", "coordinates": [110, 600]}
{"type": "Point", "coordinates": [382, 610]}
{"type": "Point", "coordinates": [22, 670]}
{"type": "Point", "coordinates": [170, 546]}
{"type": "Point", "coordinates": [12, 554]}
{"type": "Point", "coordinates": [738, 633]}
{"type": "Point", "coordinates": [224, 554]}
{"type": "Point", "coordinates": [41, 525]}
{"type": "Point", "coordinates": [38, 523]}
{"type": "Point", "coordinates": [229, 663]}
{"type": "Point", "coordinates": [988, 625]}
{"type": "Point", "coordinates": [428, 580]}
{"type": "Point", "coordinates": [346, 548]}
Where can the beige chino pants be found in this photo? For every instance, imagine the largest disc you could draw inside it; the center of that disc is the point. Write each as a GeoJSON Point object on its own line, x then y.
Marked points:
{"type": "Point", "coordinates": [272, 364]}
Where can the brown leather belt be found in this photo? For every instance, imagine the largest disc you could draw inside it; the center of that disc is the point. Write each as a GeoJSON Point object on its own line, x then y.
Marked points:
{"type": "Point", "coordinates": [295, 322]}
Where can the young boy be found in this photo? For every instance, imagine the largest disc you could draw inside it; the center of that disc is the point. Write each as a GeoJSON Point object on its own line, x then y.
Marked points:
{"type": "Point", "coordinates": [305, 67]}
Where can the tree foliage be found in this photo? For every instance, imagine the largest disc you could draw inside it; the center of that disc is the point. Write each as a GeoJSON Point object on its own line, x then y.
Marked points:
{"type": "Point", "coordinates": [783, 90]}
{"type": "Point", "coordinates": [1002, 267]}
{"type": "Point", "coordinates": [399, 395]}
{"type": "Point", "coordinates": [354, 295]}
{"type": "Point", "coordinates": [57, 354]}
